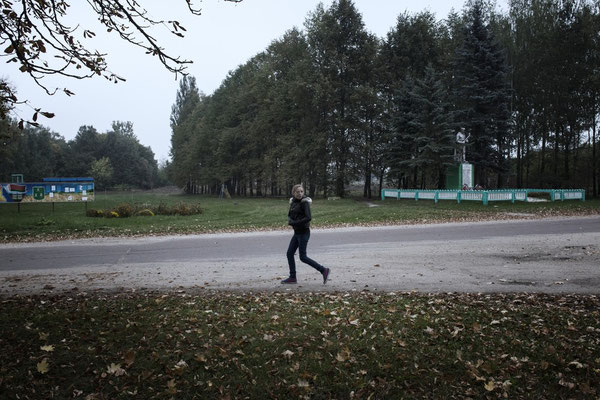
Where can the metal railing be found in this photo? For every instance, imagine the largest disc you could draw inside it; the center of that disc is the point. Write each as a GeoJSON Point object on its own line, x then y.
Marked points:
{"type": "Point", "coordinates": [484, 196]}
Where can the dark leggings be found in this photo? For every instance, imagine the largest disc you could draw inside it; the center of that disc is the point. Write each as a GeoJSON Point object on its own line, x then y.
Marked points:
{"type": "Point", "coordinates": [300, 241]}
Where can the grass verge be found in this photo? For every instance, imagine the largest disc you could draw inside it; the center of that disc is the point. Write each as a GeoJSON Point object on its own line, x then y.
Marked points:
{"type": "Point", "coordinates": [37, 222]}
{"type": "Point", "coordinates": [310, 345]}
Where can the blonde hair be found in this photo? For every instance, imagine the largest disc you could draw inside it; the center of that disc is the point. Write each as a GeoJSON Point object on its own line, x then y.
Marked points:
{"type": "Point", "coordinates": [296, 187]}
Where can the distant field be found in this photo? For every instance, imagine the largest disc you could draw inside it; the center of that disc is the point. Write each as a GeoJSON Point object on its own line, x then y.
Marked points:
{"type": "Point", "coordinates": [68, 220]}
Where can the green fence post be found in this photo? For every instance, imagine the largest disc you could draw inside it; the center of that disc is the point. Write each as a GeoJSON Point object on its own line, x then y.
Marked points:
{"type": "Point", "coordinates": [485, 198]}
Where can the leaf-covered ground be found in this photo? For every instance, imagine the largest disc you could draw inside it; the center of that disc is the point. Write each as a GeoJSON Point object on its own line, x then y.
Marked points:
{"type": "Point", "coordinates": [309, 345]}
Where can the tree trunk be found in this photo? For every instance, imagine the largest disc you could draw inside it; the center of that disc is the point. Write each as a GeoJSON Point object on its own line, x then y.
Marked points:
{"type": "Point", "coordinates": [367, 185]}
{"type": "Point", "coordinates": [542, 169]}
{"type": "Point", "coordinates": [381, 174]}
{"type": "Point", "coordinates": [594, 163]}
{"type": "Point", "coordinates": [520, 160]}
{"type": "Point", "coordinates": [415, 177]}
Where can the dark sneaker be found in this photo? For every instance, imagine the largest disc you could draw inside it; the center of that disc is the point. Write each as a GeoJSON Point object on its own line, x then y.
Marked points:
{"type": "Point", "coordinates": [289, 280]}
{"type": "Point", "coordinates": [325, 275]}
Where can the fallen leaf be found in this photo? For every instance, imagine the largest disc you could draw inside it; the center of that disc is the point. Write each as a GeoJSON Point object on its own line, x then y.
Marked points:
{"type": "Point", "coordinates": [576, 364]}
{"type": "Point", "coordinates": [129, 357]}
{"type": "Point", "coordinates": [268, 338]}
{"type": "Point", "coordinates": [115, 369]}
{"type": "Point", "coordinates": [287, 354]}
{"type": "Point", "coordinates": [48, 348]}
{"type": "Point", "coordinates": [343, 355]}
{"type": "Point", "coordinates": [181, 365]}
{"type": "Point", "coordinates": [490, 386]}
{"type": "Point", "coordinates": [171, 387]}
{"type": "Point", "coordinates": [303, 383]}
{"type": "Point", "coordinates": [43, 366]}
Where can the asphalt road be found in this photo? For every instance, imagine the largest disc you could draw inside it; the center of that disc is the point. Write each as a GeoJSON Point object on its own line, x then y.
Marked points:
{"type": "Point", "coordinates": [548, 255]}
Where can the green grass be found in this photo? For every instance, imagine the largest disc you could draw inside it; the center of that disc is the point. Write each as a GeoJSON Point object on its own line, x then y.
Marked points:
{"type": "Point", "coordinates": [39, 222]}
{"type": "Point", "coordinates": [283, 346]}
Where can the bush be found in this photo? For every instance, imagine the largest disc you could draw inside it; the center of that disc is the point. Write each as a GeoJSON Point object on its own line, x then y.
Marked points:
{"type": "Point", "coordinates": [163, 209]}
{"type": "Point", "coordinates": [146, 212]}
{"type": "Point", "coordinates": [112, 214]}
{"type": "Point", "coordinates": [124, 210]}
{"type": "Point", "coordinates": [179, 209]}
{"type": "Point", "coordinates": [92, 212]}
{"type": "Point", "coordinates": [182, 209]}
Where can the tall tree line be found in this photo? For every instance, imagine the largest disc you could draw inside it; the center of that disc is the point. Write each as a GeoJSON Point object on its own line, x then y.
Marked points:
{"type": "Point", "coordinates": [333, 104]}
{"type": "Point", "coordinates": [114, 158]}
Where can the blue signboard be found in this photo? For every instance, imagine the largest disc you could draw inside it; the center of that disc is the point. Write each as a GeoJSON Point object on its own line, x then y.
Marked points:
{"type": "Point", "coordinates": [50, 190]}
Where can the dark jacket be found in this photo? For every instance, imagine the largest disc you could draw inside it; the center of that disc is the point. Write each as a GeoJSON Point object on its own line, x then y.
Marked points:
{"type": "Point", "coordinates": [299, 215]}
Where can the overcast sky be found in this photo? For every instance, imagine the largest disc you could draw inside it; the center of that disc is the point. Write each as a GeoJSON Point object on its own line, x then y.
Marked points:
{"type": "Point", "coordinates": [225, 36]}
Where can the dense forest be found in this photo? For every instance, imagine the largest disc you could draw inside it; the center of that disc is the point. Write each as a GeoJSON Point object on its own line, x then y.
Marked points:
{"type": "Point", "coordinates": [332, 105]}
{"type": "Point", "coordinates": [115, 159]}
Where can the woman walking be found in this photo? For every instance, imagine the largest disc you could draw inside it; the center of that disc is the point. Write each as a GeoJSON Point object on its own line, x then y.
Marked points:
{"type": "Point", "coordinates": [299, 218]}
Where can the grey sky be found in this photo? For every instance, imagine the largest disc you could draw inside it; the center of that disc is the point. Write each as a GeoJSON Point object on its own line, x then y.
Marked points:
{"type": "Point", "coordinates": [223, 37]}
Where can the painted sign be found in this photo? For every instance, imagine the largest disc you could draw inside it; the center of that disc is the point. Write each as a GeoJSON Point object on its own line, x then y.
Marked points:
{"type": "Point", "coordinates": [50, 190]}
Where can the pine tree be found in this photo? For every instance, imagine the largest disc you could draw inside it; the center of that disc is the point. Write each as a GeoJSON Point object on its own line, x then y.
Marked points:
{"type": "Point", "coordinates": [482, 97]}
{"type": "Point", "coordinates": [433, 123]}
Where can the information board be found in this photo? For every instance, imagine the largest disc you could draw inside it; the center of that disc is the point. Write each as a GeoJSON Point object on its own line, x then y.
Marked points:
{"type": "Point", "coordinates": [50, 190]}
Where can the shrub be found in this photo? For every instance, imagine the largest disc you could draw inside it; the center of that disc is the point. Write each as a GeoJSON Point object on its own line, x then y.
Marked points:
{"type": "Point", "coordinates": [124, 210]}
{"type": "Point", "coordinates": [92, 212]}
{"type": "Point", "coordinates": [112, 214]}
{"type": "Point", "coordinates": [186, 209]}
{"type": "Point", "coordinates": [145, 213]}
{"type": "Point", "coordinates": [163, 209]}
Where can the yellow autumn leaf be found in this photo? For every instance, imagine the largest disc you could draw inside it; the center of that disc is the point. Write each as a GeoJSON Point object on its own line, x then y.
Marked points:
{"type": "Point", "coordinates": [490, 386]}
{"type": "Point", "coordinates": [48, 348]}
{"type": "Point", "coordinates": [43, 366]}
